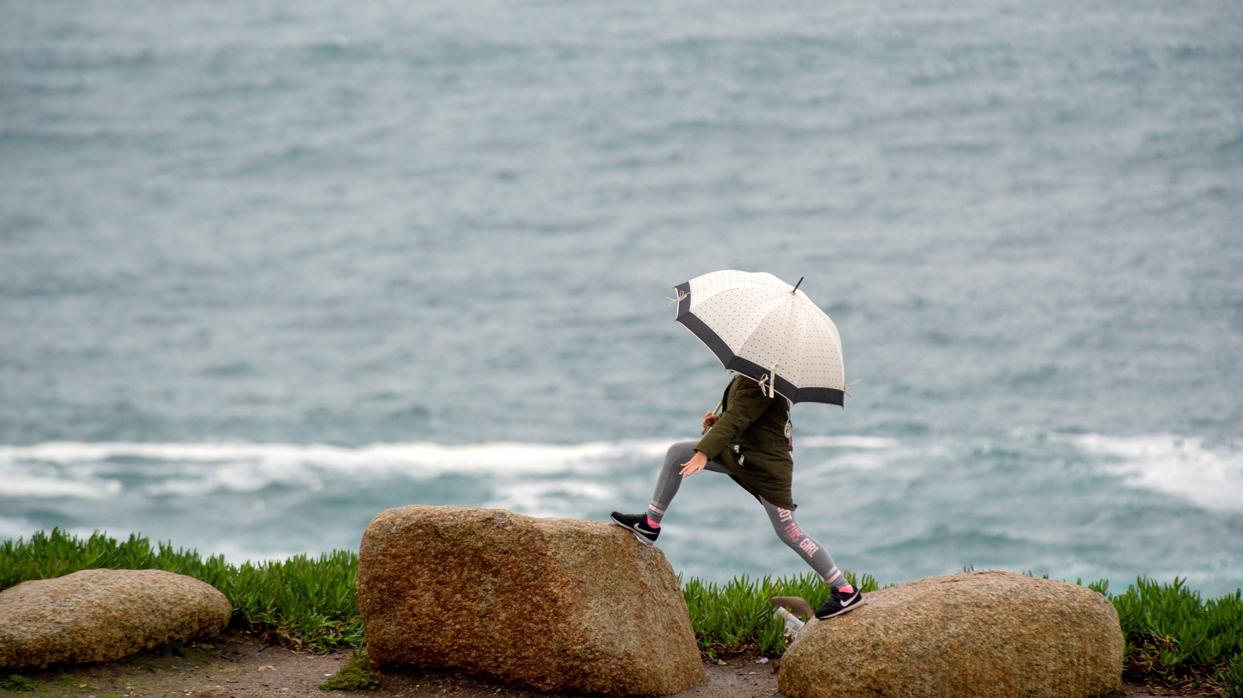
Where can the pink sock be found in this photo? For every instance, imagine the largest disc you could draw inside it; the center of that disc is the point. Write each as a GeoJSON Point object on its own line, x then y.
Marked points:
{"type": "Point", "coordinates": [652, 524]}
{"type": "Point", "coordinates": [846, 589]}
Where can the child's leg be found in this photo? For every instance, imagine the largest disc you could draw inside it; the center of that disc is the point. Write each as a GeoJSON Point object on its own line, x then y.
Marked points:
{"type": "Point", "coordinates": [670, 478]}
{"type": "Point", "coordinates": [807, 547]}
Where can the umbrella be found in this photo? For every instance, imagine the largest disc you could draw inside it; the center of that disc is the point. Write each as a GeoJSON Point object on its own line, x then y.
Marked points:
{"type": "Point", "coordinates": [767, 330]}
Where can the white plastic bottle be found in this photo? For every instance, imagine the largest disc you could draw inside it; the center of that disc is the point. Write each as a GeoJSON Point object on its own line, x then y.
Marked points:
{"type": "Point", "coordinates": [792, 623]}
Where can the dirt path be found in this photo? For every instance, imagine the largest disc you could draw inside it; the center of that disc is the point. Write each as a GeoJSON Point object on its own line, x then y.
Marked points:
{"type": "Point", "coordinates": [239, 665]}
{"type": "Point", "coordinates": [231, 664]}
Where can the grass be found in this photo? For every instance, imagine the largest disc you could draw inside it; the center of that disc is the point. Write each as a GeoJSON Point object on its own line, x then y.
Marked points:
{"type": "Point", "coordinates": [1173, 636]}
{"type": "Point", "coordinates": [354, 675]}
{"type": "Point", "coordinates": [736, 617]}
{"type": "Point", "coordinates": [302, 601]}
{"type": "Point", "coordinates": [17, 682]}
{"type": "Point", "coordinates": [1177, 637]}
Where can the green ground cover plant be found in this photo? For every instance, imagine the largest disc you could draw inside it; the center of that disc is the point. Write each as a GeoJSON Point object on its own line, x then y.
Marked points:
{"type": "Point", "coordinates": [17, 682]}
{"type": "Point", "coordinates": [354, 675]}
{"type": "Point", "coordinates": [1173, 636]}
{"type": "Point", "coordinates": [737, 617]}
{"type": "Point", "coordinates": [302, 601]}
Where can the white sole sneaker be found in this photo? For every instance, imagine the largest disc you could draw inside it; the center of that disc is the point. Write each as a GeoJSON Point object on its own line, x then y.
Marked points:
{"type": "Point", "coordinates": [635, 530]}
{"type": "Point", "coordinates": [851, 605]}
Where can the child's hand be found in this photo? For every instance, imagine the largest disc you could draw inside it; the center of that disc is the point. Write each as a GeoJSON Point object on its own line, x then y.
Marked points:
{"type": "Point", "coordinates": [694, 465]}
{"type": "Point", "coordinates": [710, 418]}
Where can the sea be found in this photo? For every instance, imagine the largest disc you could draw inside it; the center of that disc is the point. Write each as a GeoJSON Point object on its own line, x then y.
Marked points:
{"type": "Point", "coordinates": [269, 268]}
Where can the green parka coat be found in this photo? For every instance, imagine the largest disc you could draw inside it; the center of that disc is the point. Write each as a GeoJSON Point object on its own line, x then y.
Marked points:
{"type": "Point", "coordinates": [753, 429]}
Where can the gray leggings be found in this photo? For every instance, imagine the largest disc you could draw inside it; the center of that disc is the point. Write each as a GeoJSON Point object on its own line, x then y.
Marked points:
{"type": "Point", "coordinates": [782, 519]}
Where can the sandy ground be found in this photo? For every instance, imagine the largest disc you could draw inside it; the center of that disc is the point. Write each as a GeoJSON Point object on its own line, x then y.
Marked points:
{"type": "Point", "coordinates": [237, 664]}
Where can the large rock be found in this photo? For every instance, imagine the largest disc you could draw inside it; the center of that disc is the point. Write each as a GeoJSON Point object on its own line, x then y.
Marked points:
{"type": "Point", "coordinates": [973, 634]}
{"type": "Point", "coordinates": [556, 604]}
{"type": "Point", "coordinates": [102, 615]}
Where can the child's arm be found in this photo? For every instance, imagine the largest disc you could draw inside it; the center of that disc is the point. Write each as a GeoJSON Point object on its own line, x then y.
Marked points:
{"type": "Point", "coordinates": [745, 406]}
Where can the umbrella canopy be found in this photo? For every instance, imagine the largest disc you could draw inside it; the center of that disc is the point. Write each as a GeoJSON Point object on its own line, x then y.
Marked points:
{"type": "Point", "coordinates": [767, 330]}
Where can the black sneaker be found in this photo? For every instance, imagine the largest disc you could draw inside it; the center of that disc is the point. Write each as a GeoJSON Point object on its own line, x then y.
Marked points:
{"type": "Point", "coordinates": [637, 524]}
{"type": "Point", "coordinates": [839, 603]}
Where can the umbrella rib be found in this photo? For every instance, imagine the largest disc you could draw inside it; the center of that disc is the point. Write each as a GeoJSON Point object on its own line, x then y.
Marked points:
{"type": "Point", "coordinates": [798, 340]}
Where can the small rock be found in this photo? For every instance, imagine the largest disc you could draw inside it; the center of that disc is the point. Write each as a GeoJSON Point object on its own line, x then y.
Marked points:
{"type": "Point", "coordinates": [101, 615]}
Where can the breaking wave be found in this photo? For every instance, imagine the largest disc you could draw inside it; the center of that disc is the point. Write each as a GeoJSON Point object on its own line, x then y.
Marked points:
{"type": "Point", "coordinates": [100, 470]}
{"type": "Point", "coordinates": [1179, 466]}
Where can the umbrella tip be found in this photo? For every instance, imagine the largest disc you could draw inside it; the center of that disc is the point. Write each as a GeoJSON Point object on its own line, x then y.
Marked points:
{"type": "Point", "coordinates": [800, 280]}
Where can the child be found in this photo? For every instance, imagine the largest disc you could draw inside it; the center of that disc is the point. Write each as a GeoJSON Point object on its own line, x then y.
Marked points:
{"type": "Point", "coordinates": [750, 442]}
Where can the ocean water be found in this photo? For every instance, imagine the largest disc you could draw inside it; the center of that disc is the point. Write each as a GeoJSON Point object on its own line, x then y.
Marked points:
{"type": "Point", "coordinates": [269, 268]}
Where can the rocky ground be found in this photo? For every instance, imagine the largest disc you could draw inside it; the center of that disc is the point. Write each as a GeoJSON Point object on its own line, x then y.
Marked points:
{"type": "Point", "coordinates": [237, 664]}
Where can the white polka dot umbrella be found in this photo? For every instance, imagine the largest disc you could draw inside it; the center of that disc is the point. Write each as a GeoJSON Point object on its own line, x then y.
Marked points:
{"type": "Point", "coordinates": [767, 330]}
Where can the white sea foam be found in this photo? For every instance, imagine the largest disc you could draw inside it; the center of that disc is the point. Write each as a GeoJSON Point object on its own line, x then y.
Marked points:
{"type": "Point", "coordinates": [1173, 465]}
{"type": "Point", "coordinates": [17, 480]}
{"type": "Point", "coordinates": [425, 456]}
{"type": "Point", "coordinates": [549, 498]}
{"type": "Point", "coordinates": [76, 469]}
{"type": "Point", "coordinates": [88, 470]}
